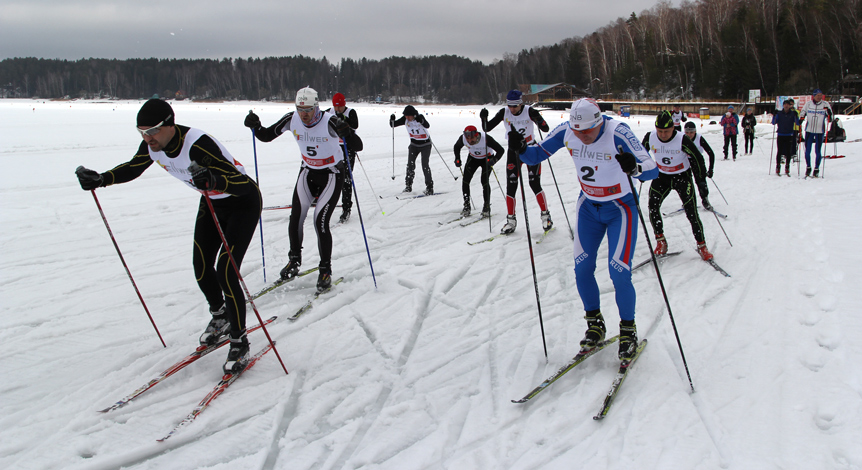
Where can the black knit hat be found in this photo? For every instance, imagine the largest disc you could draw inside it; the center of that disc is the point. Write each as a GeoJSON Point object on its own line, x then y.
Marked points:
{"type": "Point", "coordinates": [664, 120]}
{"type": "Point", "coordinates": [155, 111]}
{"type": "Point", "coordinates": [690, 125]}
{"type": "Point", "coordinates": [410, 111]}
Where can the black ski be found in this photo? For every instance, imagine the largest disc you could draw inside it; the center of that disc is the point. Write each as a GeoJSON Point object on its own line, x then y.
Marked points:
{"type": "Point", "coordinates": [718, 268]}
{"type": "Point", "coordinates": [625, 366]}
{"type": "Point", "coordinates": [310, 304]}
{"type": "Point", "coordinates": [415, 196]}
{"type": "Point", "coordinates": [660, 258]}
{"type": "Point", "coordinates": [279, 282]}
{"type": "Point", "coordinates": [578, 359]}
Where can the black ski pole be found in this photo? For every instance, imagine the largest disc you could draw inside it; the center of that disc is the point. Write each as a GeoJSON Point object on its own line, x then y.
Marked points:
{"type": "Point", "coordinates": [658, 274]}
{"type": "Point", "coordinates": [771, 148]}
{"type": "Point", "coordinates": [129, 273]}
{"type": "Point", "coordinates": [532, 261]}
{"type": "Point", "coordinates": [194, 169]}
{"type": "Point", "coordinates": [393, 153]}
{"type": "Point", "coordinates": [359, 211]}
{"type": "Point", "coordinates": [260, 221]}
{"type": "Point", "coordinates": [444, 161]}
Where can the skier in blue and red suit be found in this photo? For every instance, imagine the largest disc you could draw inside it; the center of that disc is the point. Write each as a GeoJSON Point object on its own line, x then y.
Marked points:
{"type": "Point", "coordinates": [606, 153]}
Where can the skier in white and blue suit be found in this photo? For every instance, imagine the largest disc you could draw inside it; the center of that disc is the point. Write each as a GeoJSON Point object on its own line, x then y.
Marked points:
{"type": "Point", "coordinates": [606, 152]}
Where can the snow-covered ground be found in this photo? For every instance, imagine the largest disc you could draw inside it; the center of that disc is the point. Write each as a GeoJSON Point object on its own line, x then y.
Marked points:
{"type": "Point", "coordinates": [418, 373]}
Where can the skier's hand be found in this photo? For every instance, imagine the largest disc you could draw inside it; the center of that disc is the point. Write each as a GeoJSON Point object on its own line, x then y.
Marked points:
{"type": "Point", "coordinates": [628, 163]}
{"type": "Point", "coordinates": [341, 127]}
{"type": "Point", "coordinates": [421, 119]}
{"type": "Point", "coordinates": [252, 121]}
{"type": "Point", "coordinates": [391, 120]}
{"type": "Point", "coordinates": [89, 179]}
{"type": "Point", "coordinates": [709, 173]}
{"type": "Point", "coordinates": [458, 162]}
{"type": "Point", "coordinates": [516, 141]}
{"type": "Point", "coordinates": [483, 114]}
{"type": "Point", "coordinates": [202, 177]}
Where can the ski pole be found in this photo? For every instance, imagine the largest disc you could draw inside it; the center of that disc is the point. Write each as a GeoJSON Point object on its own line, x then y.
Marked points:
{"type": "Point", "coordinates": [533, 262]}
{"type": "Point", "coordinates": [140, 297]}
{"type": "Point", "coordinates": [571, 232]}
{"type": "Point", "coordinates": [376, 197]}
{"type": "Point", "coordinates": [719, 191]}
{"type": "Point", "coordinates": [393, 153]}
{"type": "Point", "coordinates": [771, 148]}
{"type": "Point", "coordinates": [722, 227]}
{"type": "Point", "coordinates": [359, 211]}
{"type": "Point", "coordinates": [257, 180]}
{"type": "Point", "coordinates": [194, 168]}
{"type": "Point", "coordinates": [658, 274]}
{"type": "Point", "coordinates": [498, 183]}
{"type": "Point", "coordinates": [444, 161]}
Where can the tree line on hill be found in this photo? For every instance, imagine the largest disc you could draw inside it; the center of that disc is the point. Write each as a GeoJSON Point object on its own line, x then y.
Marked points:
{"type": "Point", "coordinates": [703, 48]}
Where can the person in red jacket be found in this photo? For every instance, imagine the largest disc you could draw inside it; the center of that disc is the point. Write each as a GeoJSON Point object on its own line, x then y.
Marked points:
{"type": "Point", "coordinates": [729, 123]}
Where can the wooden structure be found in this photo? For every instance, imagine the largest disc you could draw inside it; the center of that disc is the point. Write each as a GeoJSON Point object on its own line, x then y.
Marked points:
{"type": "Point", "coordinates": [555, 96]}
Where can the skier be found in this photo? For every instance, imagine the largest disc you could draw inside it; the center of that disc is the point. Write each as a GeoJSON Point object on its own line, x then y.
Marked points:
{"type": "Point", "coordinates": [705, 149]}
{"type": "Point", "coordinates": [521, 118]}
{"type": "Point", "coordinates": [477, 143]}
{"type": "Point", "coordinates": [341, 111]}
{"type": "Point", "coordinates": [676, 157]}
{"type": "Point", "coordinates": [321, 175]}
{"type": "Point", "coordinates": [748, 124]}
{"type": "Point", "coordinates": [729, 122]}
{"type": "Point", "coordinates": [678, 117]}
{"type": "Point", "coordinates": [204, 164]}
{"type": "Point", "coordinates": [607, 154]}
{"type": "Point", "coordinates": [420, 143]}
{"type": "Point", "coordinates": [815, 126]}
{"type": "Point", "coordinates": [787, 121]}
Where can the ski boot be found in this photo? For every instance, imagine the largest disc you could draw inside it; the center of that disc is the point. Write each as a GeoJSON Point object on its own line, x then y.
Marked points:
{"type": "Point", "coordinates": [595, 330]}
{"type": "Point", "coordinates": [486, 211]}
{"type": "Point", "coordinates": [344, 216]}
{"type": "Point", "coordinates": [324, 279]}
{"type": "Point", "coordinates": [429, 190]}
{"type": "Point", "coordinates": [547, 223]}
{"type": "Point", "coordinates": [466, 210]}
{"type": "Point", "coordinates": [816, 173]}
{"type": "Point", "coordinates": [807, 171]}
{"type": "Point", "coordinates": [291, 269]}
{"type": "Point", "coordinates": [511, 223]}
{"type": "Point", "coordinates": [703, 252]}
{"type": "Point", "coordinates": [706, 204]}
{"type": "Point", "coordinates": [238, 355]}
{"type": "Point", "coordinates": [660, 245]}
{"type": "Point", "coordinates": [218, 327]}
{"type": "Point", "coordinates": [628, 340]}
{"type": "Point", "coordinates": [408, 188]}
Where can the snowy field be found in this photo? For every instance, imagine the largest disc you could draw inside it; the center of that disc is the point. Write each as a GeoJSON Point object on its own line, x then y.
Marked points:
{"type": "Point", "coordinates": [418, 373]}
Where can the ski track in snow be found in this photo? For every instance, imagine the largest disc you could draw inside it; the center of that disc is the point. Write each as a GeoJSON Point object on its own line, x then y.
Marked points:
{"type": "Point", "coordinates": [419, 373]}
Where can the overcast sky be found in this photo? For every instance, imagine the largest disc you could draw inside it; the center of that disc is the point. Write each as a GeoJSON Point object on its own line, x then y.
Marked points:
{"type": "Point", "coordinates": [479, 29]}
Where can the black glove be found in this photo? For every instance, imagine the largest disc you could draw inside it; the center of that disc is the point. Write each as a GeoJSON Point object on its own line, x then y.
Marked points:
{"type": "Point", "coordinates": [391, 120]}
{"type": "Point", "coordinates": [483, 114]}
{"type": "Point", "coordinates": [628, 163]}
{"type": "Point", "coordinates": [709, 173]}
{"type": "Point", "coordinates": [516, 141]}
{"type": "Point", "coordinates": [89, 179]}
{"type": "Point", "coordinates": [421, 119]}
{"type": "Point", "coordinates": [458, 162]}
{"type": "Point", "coordinates": [341, 128]}
{"type": "Point", "coordinates": [202, 177]}
{"type": "Point", "coordinates": [252, 121]}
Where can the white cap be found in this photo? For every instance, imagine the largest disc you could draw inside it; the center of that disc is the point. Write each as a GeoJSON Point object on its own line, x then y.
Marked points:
{"type": "Point", "coordinates": [585, 115]}
{"type": "Point", "coordinates": [306, 97]}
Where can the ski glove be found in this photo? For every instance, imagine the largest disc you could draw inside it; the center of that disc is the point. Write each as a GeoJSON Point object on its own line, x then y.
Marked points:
{"type": "Point", "coordinates": [391, 120]}
{"type": "Point", "coordinates": [341, 128]}
{"type": "Point", "coordinates": [628, 163]}
{"type": "Point", "coordinates": [483, 114]}
{"type": "Point", "coordinates": [458, 162]}
{"type": "Point", "coordinates": [202, 177]}
{"type": "Point", "coordinates": [517, 142]}
{"type": "Point", "coordinates": [709, 173]}
{"type": "Point", "coordinates": [252, 121]}
{"type": "Point", "coordinates": [421, 119]}
{"type": "Point", "coordinates": [89, 179]}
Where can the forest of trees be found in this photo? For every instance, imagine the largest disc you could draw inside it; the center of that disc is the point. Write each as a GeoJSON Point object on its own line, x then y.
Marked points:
{"type": "Point", "coordinates": [701, 49]}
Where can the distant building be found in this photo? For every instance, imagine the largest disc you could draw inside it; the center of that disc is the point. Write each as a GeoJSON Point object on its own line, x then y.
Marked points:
{"type": "Point", "coordinates": [558, 95]}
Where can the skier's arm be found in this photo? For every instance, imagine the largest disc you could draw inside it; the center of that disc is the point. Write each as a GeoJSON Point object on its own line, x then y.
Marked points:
{"type": "Point", "coordinates": [498, 149]}
{"type": "Point", "coordinates": [536, 117]}
{"type": "Point", "coordinates": [534, 154]}
{"type": "Point", "coordinates": [398, 122]}
{"type": "Point", "coordinates": [125, 172]}
{"type": "Point", "coordinates": [694, 157]}
{"type": "Point", "coordinates": [708, 150]}
{"type": "Point", "coordinates": [352, 119]}
{"type": "Point", "coordinates": [497, 119]}
{"type": "Point", "coordinates": [459, 144]}
{"type": "Point", "coordinates": [268, 134]}
{"type": "Point", "coordinates": [421, 120]}
{"type": "Point", "coordinates": [206, 153]}
{"type": "Point", "coordinates": [626, 140]}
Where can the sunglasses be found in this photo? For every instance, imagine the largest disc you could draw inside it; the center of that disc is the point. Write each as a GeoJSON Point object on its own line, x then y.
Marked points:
{"type": "Point", "coordinates": [153, 130]}
{"type": "Point", "coordinates": [471, 134]}
{"type": "Point", "coordinates": [304, 109]}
